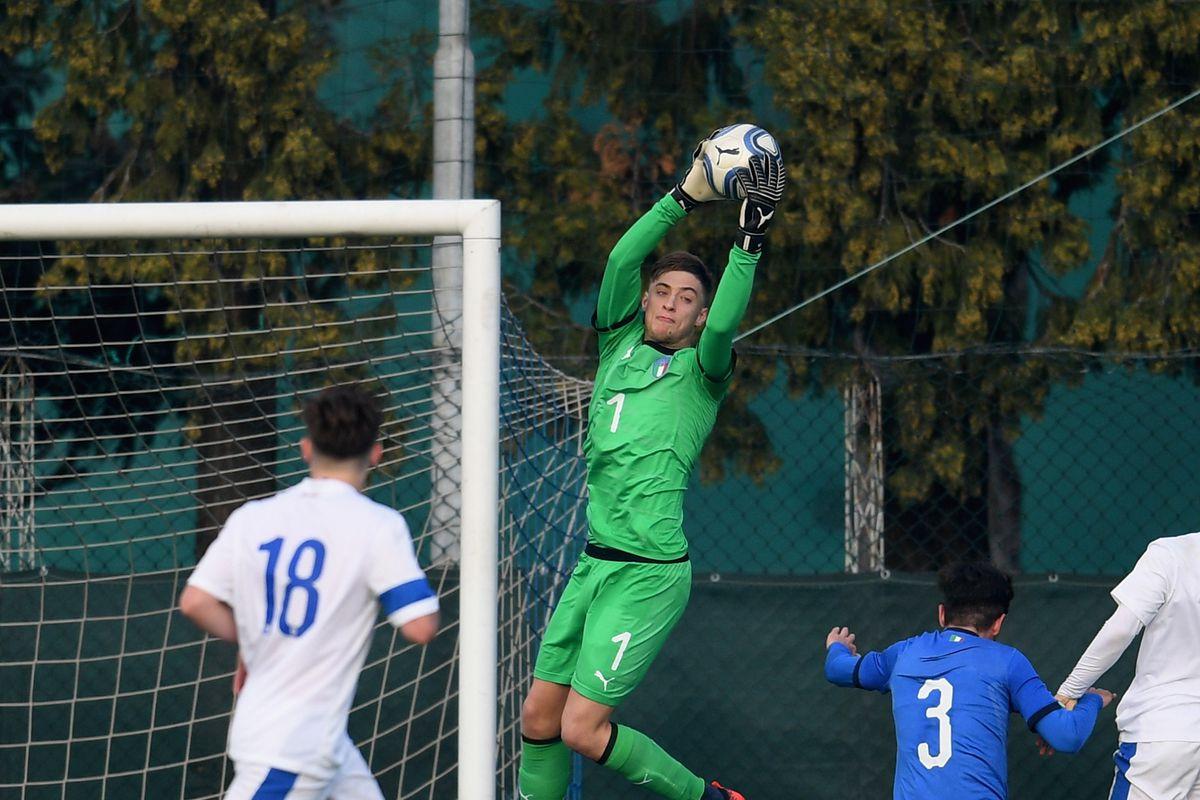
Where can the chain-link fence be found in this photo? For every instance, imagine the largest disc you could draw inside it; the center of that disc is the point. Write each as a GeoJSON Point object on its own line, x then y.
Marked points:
{"type": "Point", "coordinates": [1044, 461]}
{"type": "Point", "coordinates": [833, 485]}
{"type": "Point", "coordinates": [139, 408]}
{"type": "Point", "coordinates": [1060, 466]}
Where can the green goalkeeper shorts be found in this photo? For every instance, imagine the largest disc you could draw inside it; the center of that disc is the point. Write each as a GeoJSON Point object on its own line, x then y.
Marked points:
{"type": "Point", "coordinates": [611, 622]}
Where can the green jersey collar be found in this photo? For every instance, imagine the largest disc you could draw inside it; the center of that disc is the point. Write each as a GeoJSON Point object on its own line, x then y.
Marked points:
{"type": "Point", "coordinates": [662, 348]}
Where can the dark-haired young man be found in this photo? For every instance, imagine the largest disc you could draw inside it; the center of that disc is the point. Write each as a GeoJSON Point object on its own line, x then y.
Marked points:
{"type": "Point", "coordinates": [953, 689]}
{"type": "Point", "coordinates": [296, 581]}
{"type": "Point", "coordinates": [666, 362]}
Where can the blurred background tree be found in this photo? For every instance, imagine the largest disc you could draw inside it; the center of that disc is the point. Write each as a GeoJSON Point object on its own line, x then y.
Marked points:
{"type": "Point", "coordinates": [206, 100]}
{"type": "Point", "coordinates": [1145, 294]}
{"type": "Point", "coordinates": [608, 138]}
{"type": "Point", "coordinates": [897, 119]}
{"type": "Point", "coordinates": [906, 116]}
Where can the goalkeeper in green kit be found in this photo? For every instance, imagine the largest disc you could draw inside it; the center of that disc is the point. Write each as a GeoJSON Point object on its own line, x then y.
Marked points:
{"type": "Point", "coordinates": [666, 362]}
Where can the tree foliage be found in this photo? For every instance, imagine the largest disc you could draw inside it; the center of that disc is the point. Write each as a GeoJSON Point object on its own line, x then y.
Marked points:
{"type": "Point", "coordinates": [205, 100]}
{"type": "Point", "coordinates": [202, 100]}
{"type": "Point", "coordinates": [626, 93]}
{"type": "Point", "coordinates": [1145, 295]}
{"type": "Point", "coordinates": [896, 119]}
{"type": "Point", "coordinates": [909, 116]}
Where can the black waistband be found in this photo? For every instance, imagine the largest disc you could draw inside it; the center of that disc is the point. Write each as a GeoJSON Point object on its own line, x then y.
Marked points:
{"type": "Point", "coordinates": [613, 554]}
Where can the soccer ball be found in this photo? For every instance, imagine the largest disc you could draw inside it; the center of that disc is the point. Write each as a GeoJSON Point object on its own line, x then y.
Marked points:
{"type": "Point", "coordinates": [726, 154]}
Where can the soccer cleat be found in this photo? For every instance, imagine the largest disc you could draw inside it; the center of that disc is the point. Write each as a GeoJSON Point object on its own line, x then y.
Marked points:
{"type": "Point", "coordinates": [728, 794]}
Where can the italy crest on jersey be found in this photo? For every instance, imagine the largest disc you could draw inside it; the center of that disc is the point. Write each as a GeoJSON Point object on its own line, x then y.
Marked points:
{"type": "Point", "coordinates": [660, 367]}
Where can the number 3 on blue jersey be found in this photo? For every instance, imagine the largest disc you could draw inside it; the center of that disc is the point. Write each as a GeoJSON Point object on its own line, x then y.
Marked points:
{"type": "Point", "coordinates": [307, 584]}
{"type": "Point", "coordinates": [940, 712]}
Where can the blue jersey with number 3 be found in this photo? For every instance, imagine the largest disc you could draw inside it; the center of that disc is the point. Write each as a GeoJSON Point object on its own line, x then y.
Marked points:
{"type": "Point", "coordinates": [952, 692]}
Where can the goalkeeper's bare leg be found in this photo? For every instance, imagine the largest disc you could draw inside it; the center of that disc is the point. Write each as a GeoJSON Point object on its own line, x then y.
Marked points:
{"type": "Point", "coordinates": [545, 760]}
{"type": "Point", "coordinates": [556, 719]}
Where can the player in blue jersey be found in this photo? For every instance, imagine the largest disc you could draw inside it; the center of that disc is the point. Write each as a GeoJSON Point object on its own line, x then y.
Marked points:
{"type": "Point", "coordinates": [953, 689]}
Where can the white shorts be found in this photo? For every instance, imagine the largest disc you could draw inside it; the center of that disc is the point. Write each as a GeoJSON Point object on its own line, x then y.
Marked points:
{"type": "Point", "coordinates": [353, 781]}
{"type": "Point", "coordinates": [1157, 771]}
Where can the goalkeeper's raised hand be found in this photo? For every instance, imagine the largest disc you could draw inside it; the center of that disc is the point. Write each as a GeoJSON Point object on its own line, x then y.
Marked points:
{"type": "Point", "coordinates": [763, 183]}
{"type": "Point", "coordinates": [694, 188]}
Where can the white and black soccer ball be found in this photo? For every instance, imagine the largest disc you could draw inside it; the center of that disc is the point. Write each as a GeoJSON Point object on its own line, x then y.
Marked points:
{"type": "Point", "coordinates": [727, 153]}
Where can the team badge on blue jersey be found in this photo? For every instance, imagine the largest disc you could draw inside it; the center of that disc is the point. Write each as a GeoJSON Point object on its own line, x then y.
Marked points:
{"type": "Point", "coordinates": [660, 367]}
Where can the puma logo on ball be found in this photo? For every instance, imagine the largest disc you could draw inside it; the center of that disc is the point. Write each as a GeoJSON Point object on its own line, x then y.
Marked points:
{"type": "Point", "coordinates": [721, 151]}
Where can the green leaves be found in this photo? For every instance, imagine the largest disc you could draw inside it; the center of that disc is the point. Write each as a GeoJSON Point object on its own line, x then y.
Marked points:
{"type": "Point", "coordinates": [896, 119]}
{"type": "Point", "coordinates": [208, 100]}
{"type": "Point", "coordinates": [165, 100]}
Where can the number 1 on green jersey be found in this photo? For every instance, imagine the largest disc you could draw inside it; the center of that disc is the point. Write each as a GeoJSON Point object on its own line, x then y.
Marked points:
{"type": "Point", "coordinates": [617, 400]}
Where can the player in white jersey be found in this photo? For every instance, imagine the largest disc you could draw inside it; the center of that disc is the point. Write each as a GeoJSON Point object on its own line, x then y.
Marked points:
{"type": "Point", "coordinates": [296, 581]}
{"type": "Point", "coordinates": [1159, 718]}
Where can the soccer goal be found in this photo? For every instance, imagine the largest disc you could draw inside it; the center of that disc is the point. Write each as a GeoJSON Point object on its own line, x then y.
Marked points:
{"type": "Point", "coordinates": [154, 357]}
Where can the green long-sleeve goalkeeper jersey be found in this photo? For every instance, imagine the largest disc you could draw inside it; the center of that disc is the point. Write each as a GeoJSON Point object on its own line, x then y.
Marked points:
{"type": "Point", "coordinates": [652, 407]}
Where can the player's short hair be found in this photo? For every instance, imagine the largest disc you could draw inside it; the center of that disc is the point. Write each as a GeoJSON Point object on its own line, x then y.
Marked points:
{"type": "Point", "coordinates": [681, 261]}
{"type": "Point", "coordinates": [974, 593]}
{"type": "Point", "coordinates": [343, 422]}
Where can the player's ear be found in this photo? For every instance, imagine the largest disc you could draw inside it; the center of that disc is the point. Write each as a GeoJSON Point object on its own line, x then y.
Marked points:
{"type": "Point", "coordinates": [998, 624]}
{"type": "Point", "coordinates": [702, 317]}
{"type": "Point", "coordinates": [941, 615]}
{"type": "Point", "coordinates": [306, 450]}
{"type": "Point", "coordinates": [645, 299]}
{"type": "Point", "coordinates": [376, 454]}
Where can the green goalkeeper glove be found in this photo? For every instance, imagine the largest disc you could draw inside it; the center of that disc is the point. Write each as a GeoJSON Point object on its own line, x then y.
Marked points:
{"type": "Point", "coordinates": [694, 189]}
{"type": "Point", "coordinates": [763, 183]}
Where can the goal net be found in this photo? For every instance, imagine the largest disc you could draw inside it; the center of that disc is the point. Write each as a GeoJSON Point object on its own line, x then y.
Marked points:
{"type": "Point", "coordinates": [152, 375]}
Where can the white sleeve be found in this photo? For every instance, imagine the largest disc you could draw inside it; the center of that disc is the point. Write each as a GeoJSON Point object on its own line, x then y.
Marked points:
{"type": "Point", "coordinates": [1149, 585]}
{"type": "Point", "coordinates": [214, 573]}
{"type": "Point", "coordinates": [397, 579]}
{"type": "Point", "coordinates": [1114, 636]}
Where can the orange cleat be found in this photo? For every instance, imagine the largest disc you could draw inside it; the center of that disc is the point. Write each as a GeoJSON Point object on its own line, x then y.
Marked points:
{"type": "Point", "coordinates": [730, 794]}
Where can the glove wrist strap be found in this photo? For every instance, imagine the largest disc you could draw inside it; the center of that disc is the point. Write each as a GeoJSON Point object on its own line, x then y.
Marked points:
{"type": "Point", "coordinates": [751, 241]}
{"type": "Point", "coordinates": [685, 200]}
{"type": "Point", "coordinates": [753, 221]}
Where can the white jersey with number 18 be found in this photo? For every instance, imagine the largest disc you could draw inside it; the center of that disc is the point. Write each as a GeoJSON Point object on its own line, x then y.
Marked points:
{"type": "Point", "coordinates": [305, 572]}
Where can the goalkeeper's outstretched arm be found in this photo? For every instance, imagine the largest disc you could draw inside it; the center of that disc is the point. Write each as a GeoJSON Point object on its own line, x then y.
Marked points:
{"type": "Point", "coordinates": [764, 185]}
{"type": "Point", "coordinates": [621, 286]}
{"type": "Point", "coordinates": [715, 349]}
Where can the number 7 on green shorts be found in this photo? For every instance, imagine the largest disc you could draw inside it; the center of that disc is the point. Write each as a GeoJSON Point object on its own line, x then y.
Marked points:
{"type": "Point", "coordinates": [610, 624]}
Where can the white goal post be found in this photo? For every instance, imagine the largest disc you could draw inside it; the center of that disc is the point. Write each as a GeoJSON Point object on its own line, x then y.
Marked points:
{"type": "Point", "coordinates": [478, 223]}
